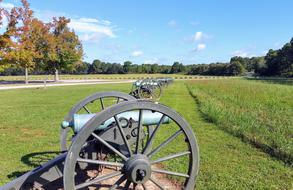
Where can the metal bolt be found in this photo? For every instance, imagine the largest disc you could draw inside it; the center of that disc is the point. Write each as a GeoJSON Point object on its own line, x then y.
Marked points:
{"type": "Point", "coordinates": [142, 173]}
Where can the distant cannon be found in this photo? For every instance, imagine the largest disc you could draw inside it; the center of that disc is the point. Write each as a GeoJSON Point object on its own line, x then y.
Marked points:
{"type": "Point", "coordinates": [149, 88]}
{"type": "Point", "coordinates": [125, 143]}
{"type": "Point", "coordinates": [165, 81]}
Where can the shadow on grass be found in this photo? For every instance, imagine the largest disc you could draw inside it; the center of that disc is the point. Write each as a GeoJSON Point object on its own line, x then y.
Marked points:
{"type": "Point", "coordinates": [273, 152]}
{"type": "Point", "coordinates": [16, 174]}
{"type": "Point", "coordinates": [34, 160]}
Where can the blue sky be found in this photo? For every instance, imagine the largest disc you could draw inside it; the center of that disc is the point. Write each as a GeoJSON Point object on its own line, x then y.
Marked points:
{"type": "Point", "coordinates": [161, 31]}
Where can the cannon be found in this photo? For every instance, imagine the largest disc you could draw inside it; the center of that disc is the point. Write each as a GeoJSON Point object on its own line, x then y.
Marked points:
{"type": "Point", "coordinates": [126, 144]}
{"type": "Point", "coordinates": [165, 81]}
{"type": "Point", "coordinates": [147, 89]}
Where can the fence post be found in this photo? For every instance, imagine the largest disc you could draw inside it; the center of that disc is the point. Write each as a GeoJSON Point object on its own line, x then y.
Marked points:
{"type": "Point", "coordinates": [45, 82]}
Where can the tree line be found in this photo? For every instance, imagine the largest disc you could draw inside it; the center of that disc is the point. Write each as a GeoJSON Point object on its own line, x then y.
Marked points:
{"type": "Point", "coordinates": [274, 63]}
{"type": "Point", "coordinates": [29, 44]}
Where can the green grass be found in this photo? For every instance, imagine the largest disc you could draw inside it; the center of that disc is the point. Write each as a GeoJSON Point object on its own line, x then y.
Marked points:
{"type": "Point", "coordinates": [30, 119]}
{"type": "Point", "coordinates": [258, 112]}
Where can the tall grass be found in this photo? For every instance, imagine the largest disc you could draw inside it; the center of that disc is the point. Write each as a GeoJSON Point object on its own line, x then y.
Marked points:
{"type": "Point", "coordinates": [257, 112]}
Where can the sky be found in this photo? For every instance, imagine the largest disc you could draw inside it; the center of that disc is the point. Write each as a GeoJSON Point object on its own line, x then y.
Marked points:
{"type": "Point", "coordinates": [164, 31]}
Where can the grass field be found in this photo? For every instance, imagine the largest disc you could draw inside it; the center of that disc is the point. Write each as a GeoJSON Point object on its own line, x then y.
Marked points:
{"type": "Point", "coordinates": [257, 112]}
{"type": "Point", "coordinates": [30, 119]}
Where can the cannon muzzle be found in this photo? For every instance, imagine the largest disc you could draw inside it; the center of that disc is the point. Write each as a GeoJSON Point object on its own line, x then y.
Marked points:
{"type": "Point", "coordinates": [149, 118]}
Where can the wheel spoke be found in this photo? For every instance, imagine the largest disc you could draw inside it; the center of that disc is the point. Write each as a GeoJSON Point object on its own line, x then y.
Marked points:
{"type": "Point", "coordinates": [171, 138]}
{"type": "Point", "coordinates": [100, 162]}
{"type": "Point", "coordinates": [156, 183]}
{"type": "Point", "coordinates": [102, 103]}
{"type": "Point", "coordinates": [150, 141]}
{"type": "Point", "coordinates": [123, 135]}
{"type": "Point", "coordinates": [134, 186]}
{"type": "Point", "coordinates": [127, 184]}
{"type": "Point", "coordinates": [170, 157]}
{"type": "Point", "coordinates": [98, 179]}
{"type": "Point", "coordinates": [109, 146]}
{"type": "Point", "coordinates": [138, 131]}
{"type": "Point", "coordinates": [118, 182]}
{"type": "Point", "coordinates": [170, 173]}
{"type": "Point", "coordinates": [144, 187]}
{"type": "Point", "coordinates": [87, 110]}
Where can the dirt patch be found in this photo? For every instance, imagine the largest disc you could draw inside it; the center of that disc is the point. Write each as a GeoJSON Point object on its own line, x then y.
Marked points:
{"type": "Point", "coordinates": [160, 178]}
{"type": "Point", "coordinates": [106, 184]}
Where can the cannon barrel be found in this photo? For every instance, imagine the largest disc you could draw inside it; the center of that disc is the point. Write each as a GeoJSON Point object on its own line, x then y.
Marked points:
{"type": "Point", "coordinates": [149, 118]}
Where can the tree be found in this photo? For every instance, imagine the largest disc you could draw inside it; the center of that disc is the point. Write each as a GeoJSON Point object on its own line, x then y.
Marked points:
{"type": "Point", "coordinates": [154, 68]}
{"type": "Point", "coordinates": [6, 38]}
{"type": "Point", "coordinates": [45, 44]}
{"type": "Point", "coordinates": [177, 67]}
{"type": "Point", "coordinates": [67, 47]}
{"type": "Point", "coordinates": [17, 45]}
{"type": "Point", "coordinates": [96, 67]}
{"type": "Point", "coordinates": [127, 66]}
{"type": "Point", "coordinates": [272, 62]}
{"type": "Point", "coordinates": [235, 68]}
{"type": "Point", "coordinates": [280, 62]}
{"type": "Point", "coordinates": [258, 65]}
{"type": "Point", "coordinates": [81, 68]}
{"type": "Point", "coordinates": [286, 60]}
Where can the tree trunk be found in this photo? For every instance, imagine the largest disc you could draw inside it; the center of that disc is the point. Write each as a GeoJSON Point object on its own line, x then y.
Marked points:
{"type": "Point", "coordinates": [26, 75]}
{"type": "Point", "coordinates": [56, 77]}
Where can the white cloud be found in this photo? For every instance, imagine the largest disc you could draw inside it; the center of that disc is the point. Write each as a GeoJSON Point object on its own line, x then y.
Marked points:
{"type": "Point", "coordinates": [91, 38]}
{"type": "Point", "coordinates": [91, 27]}
{"type": "Point", "coordinates": [106, 22]}
{"type": "Point", "coordinates": [89, 20]}
{"type": "Point", "coordinates": [200, 47]}
{"type": "Point", "coordinates": [172, 23]}
{"type": "Point", "coordinates": [151, 61]}
{"type": "Point", "coordinates": [242, 53]}
{"type": "Point", "coordinates": [6, 5]}
{"type": "Point", "coordinates": [198, 36]}
{"type": "Point", "coordinates": [136, 53]}
{"type": "Point", "coordinates": [90, 30]}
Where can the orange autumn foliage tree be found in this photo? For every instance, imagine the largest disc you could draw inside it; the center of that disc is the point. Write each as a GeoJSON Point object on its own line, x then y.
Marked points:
{"type": "Point", "coordinates": [68, 49]}
{"type": "Point", "coordinates": [7, 44]}
{"type": "Point", "coordinates": [28, 42]}
{"type": "Point", "coordinates": [17, 47]}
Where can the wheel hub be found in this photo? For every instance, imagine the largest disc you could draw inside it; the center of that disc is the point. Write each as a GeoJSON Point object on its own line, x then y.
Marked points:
{"type": "Point", "coordinates": [138, 168]}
